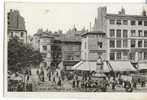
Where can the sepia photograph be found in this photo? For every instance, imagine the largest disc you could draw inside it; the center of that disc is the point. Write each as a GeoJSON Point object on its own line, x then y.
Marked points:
{"type": "Point", "coordinates": [75, 47]}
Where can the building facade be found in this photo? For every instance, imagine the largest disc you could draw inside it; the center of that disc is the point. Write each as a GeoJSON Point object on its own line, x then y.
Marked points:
{"type": "Point", "coordinates": [59, 48]}
{"type": "Point", "coordinates": [126, 35]}
{"type": "Point", "coordinates": [16, 26]}
{"type": "Point", "coordinates": [93, 46]}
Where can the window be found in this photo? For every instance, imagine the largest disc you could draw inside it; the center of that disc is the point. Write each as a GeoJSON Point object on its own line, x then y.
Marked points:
{"type": "Point", "coordinates": [133, 22]}
{"type": "Point", "coordinates": [112, 33]}
{"type": "Point", "coordinates": [118, 22]}
{"type": "Point", "coordinates": [118, 43]}
{"type": "Point", "coordinates": [145, 33]}
{"type": "Point", "coordinates": [125, 53]}
{"type": "Point", "coordinates": [44, 48]}
{"type": "Point", "coordinates": [125, 33]}
{"type": "Point", "coordinates": [139, 43]}
{"type": "Point", "coordinates": [132, 56]}
{"type": "Point", "coordinates": [100, 44]}
{"type": "Point", "coordinates": [112, 44]}
{"type": "Point", "coordinates": [21, 34]}
{"type": "Point", "coordinates": [118, 33]}
{"type": "Point", "coordinates": [11, 34]}
{"type": "Point", "coordinates": [140, 55]}
{"type": "Point", "coordinates": [112, 56]}
{"type": "Point", "coordinates": [145, 23]}
{"type": "Point", "coordinates": [125, 43]}
{"type": "Point", "coordinates": [112, 21]}
{"type": "Point", "coordinates": [125, 22]}
{"type": "Point", "coordinates": [133, 43]}
{"type": "Point", "coordinates": [118, 56]}
{"type": "Point", "coordinates": [145, 43]}
{"type": "Point", "coordinates": [140, 22]}
{"type": "Point", "coordinates": [139, 33]}
{"type": "Point", "coordinates": [145, 55]}
{"type": "Point", "coordinates": [133, 33]}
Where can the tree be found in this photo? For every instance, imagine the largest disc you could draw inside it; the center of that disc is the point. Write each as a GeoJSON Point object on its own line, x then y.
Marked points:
{"type": "Point", "coordinates": [21, 55]}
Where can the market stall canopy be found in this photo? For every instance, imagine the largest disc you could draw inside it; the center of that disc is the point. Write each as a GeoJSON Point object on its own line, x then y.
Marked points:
{"type": "Point", "coordinates": [89, 66]}
{"type": "Point", "coordinates": [77, 65]}
{"type": "Point", "coordinates": [18, 78]}
{"type": "Point", "coordinates": [142, 66]}
{"type": "Point", "coordinates": [122, 66]}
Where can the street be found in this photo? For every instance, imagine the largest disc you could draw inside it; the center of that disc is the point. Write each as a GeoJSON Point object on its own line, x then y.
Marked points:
{"type": "Point", "coordinates": [49, 86]}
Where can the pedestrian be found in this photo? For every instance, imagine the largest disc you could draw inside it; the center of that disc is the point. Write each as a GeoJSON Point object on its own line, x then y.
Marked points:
{"type": "Point", "coordinates": [49, 76]}
{"type": "Point", "coordinates": [128, 87]}
{"type": "Point", "coordinates": [113, 84]}
{"type": "Point", "coordinates": [54, 80]}
{"type": "Point", "coordinates": [20, 86]}
{"type": "Point", "coordinates": [77, 83]}
{"type": "Point", "coordinates": [134, 83]}
{"type": "Point", "coordinates": [73, 84]}
{"type": "Point", "coordinates": [57, 74]}
{"type": "Point", "coordinates": [59, 82]}
{"type": "Point", "coordinates": [143, 83]}
{"type": "Point", "coordinates": [28, 78]}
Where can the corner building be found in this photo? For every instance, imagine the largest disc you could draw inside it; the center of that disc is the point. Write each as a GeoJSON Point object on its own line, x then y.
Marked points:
{"type": "Point", "coordinates": [126, 35]}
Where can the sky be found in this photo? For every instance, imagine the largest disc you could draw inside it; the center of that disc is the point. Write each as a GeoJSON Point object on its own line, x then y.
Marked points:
{"type": "Point", "coordinates": [62, 16]}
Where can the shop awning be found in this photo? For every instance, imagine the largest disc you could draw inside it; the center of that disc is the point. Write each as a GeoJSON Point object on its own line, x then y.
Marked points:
{"type": "Point", "coordinates": [77, 65]}
{"type": "Point", "coordinates": [142, 66]}
{"type": "Point", "coordinates": [89, 66]}
{"type": "Point", "coordinates": [122, 66]}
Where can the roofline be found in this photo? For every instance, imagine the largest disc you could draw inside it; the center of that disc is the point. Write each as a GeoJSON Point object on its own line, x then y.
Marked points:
{"type": "Point", "coordinates": [94, 32]}
{"type": "Point", "coordinates": [126, 16]}
{"type": "Point", "coordinates": [73, 41]}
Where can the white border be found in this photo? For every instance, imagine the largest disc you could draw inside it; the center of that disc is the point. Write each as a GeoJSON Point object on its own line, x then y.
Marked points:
{"type": "Point", "coordinates": [73, 95]}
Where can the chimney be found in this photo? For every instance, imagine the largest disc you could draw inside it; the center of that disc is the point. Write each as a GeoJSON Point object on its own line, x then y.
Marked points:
{"type": "Point", "coordinates": [143, 12]}
{"type": "Point", "coordinates": [122, 12]}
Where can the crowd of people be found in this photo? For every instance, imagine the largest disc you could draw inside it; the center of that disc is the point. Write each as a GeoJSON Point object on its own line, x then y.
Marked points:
{"type": "Point", "coordinates": [102, 83]}
{"type": "Point", "coordinates": [20, 82]}
{"type": "Point", "coordinates": [86, 82]}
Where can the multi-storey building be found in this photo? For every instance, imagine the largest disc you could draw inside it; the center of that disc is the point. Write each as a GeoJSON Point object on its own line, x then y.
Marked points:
{"type": "Point", "coordinates": [93, 46]}
{"type": "Point", "coordinates": [126, 35]}
{"type": "Point", "coordinates": [16, 26]}
{"type": "Point", "coordinates": [93, 50]}
{"type": "Point", "coordinates": [45, 47]}
{"type": "Point", "coordinates": [64, 48]}
{"type": "Point", "coordinates": [71, 51]}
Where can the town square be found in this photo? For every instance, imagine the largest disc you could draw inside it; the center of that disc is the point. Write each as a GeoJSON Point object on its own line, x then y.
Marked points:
{"type": "Point", "coordinates": [76, 47]}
